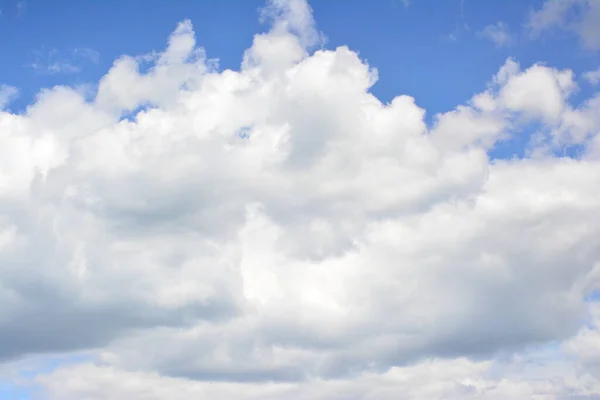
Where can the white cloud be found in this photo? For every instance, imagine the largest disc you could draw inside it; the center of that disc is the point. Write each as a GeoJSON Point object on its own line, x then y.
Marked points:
{"type": "Point", "coordinates": [579, 16]}
{"type": "Point", "coordinates": [593, 77]}
{"type": "Point", "coordinates": [531, 376]}
{"type": "Point", "coordinates": [52, 63]}
{"type": "Point", "coordinates": [87, 54]}
{"type": "Point", "coordinates": [334, 247]}
{"type": "Point", "coordinates": [59, 68]}
{"type": "Point", "coordinates": [540, 91]}
{"type": "Point", "coordinates": [7, 94]}
{"type": "Point", "coordinates": [497, 33]}
{"type": "Point", "coordinates": [552, 13]}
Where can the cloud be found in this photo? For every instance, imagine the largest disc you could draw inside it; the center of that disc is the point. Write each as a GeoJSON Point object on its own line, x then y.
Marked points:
{"type": "Point", "coordinates": [593, 77]}
{"type": "Point", "coordinates": [497, 33]}
{"type": "Point", "coordinates": [536, 374]}
{"type": "Point", "coordinates": [461, 26]}
{"type": "Point", "coordinates": [58, 68]}
{"type": "Point", "coordinates": [87, 54]}
{"type": "Point", "coordinates": [280, 224]}
{"type": "Point", "coordinates": [7, 94]}
{"type": "Point", "coordinates": [21, 8]}
{"type": "Point", "coordinates": [52, 62]}
{"type": "Point", "coordinates": [552, 13]}
{"type": "Point", "coordinates": [579, 16]}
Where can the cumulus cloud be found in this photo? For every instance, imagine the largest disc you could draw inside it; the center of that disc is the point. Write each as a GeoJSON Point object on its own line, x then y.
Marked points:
{"type": "Point", "coordinates": [579, 16]}
{"type": "Point", "coordinates": [281, 224]}
{"type": "Point", "coordinates": [533, 376]}
{"type": "Point", "coordinates": [569, 372]}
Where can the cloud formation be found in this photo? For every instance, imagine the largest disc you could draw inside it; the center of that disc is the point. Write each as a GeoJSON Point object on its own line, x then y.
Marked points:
{"type": "Point", "coordinates": [280, 224]}
{"type": "Point", "coordinates": [579, 16]}
{"type": "Point", "coordinates": [497, 33]}
{"type": "Point", "coordinates": [52, 62]}
{"type": "Point", "coordinates": [7, 94]}
{"type": "Point", "coordinates": [593, 77]}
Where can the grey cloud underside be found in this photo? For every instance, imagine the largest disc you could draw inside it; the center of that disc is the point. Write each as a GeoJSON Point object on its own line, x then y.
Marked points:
{"type": "Point", "coordinates": [338, 237]}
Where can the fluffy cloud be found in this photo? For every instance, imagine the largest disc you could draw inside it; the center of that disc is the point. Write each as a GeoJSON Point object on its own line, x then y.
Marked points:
{"type": "Point", "coordinates": [456, 379]}
{"type": "Point", "coordinates": [279, 223]}
{"type": "Point", "coordinates": [542, 373]}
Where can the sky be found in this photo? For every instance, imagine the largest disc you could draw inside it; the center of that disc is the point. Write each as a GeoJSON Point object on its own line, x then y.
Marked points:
{"type": "Point", "coordinates": [300, 200]}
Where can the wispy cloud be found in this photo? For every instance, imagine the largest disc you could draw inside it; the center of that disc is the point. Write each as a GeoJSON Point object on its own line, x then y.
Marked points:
{"type": "Point", "coordinates": [497, 33]}
{"type": "Point", "coordinates": [62, 67]}
{"type": "Point", "coordinates": [51, 62]}
{"type": "Point", "coordinates": [461, 25]}
{"type": "Point", "coordinates": [579, 16]}
{"type": "Point", "coordinates": [86, 54]}
{"type": "Point", "coordinates": [405, 3]}
{"type": "Point", "coordinates": [21, 8]}
{"type": "Point", "coordinates": [7, 94]}
{"type": "Point", "coordinates": [593, 77]}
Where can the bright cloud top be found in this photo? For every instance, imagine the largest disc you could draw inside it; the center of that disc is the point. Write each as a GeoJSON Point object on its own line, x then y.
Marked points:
{"type": "Point", "coordinates": [280, 224]}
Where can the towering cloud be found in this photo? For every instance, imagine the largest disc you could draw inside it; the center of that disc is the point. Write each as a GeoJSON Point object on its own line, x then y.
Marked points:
{"type": "Point", "coordinates": [280, 231]}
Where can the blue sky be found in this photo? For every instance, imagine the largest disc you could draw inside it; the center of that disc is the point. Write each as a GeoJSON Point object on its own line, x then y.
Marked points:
{"type": "Point", "coordinates": [441, 53]}
{"type": "Point", "coordinates": [406, 44]}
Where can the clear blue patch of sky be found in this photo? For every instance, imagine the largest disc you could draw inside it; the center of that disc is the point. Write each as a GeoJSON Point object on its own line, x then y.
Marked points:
{"type": "Point", "coordinates": [517, 144]}
{"type": "Point", "coordinates": [9, 391]}
{"type": "Point", "coordinates": [593, 297]}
